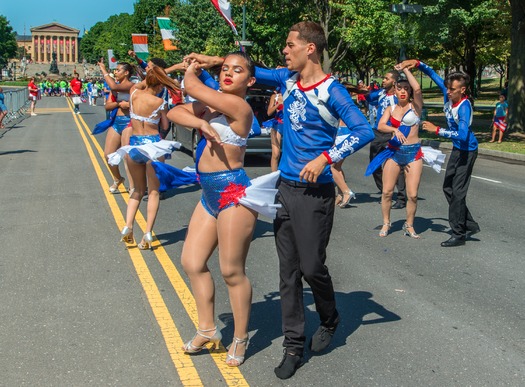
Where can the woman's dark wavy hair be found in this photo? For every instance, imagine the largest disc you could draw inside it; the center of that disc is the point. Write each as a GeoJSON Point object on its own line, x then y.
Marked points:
{"type": "Point", "coordinates": [247, 58]}
{"type": "Point", "coordinates": [128, 67]}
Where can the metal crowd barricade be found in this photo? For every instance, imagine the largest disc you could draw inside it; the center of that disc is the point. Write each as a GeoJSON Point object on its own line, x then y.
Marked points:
{"type": "Point", "coordinates": [17, 103]}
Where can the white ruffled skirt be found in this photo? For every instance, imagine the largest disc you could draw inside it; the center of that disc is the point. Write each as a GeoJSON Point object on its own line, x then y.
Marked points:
{"type": "Point", "coordinates": [152, 151]}
{"type": "Point", "coordinates": [433, 157]}
{"type": "Point", "coordinates": [260, 195]}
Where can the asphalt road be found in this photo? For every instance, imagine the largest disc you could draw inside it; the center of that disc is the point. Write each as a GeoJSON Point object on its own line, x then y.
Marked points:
{"type": "Point", "coordinates": [77, 308]}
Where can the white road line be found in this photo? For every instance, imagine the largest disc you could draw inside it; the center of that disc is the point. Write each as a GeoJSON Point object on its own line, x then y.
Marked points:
{"type": "Point", "coordinates": [475, 177]}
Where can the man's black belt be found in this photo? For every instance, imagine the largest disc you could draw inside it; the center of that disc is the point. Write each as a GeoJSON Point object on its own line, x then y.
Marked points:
{"type": "Point", "coordinates": [299, 184]}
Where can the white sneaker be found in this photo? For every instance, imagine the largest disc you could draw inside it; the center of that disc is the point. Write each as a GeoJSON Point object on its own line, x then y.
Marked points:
{"type": "Point", "coordinates": [34, 114]}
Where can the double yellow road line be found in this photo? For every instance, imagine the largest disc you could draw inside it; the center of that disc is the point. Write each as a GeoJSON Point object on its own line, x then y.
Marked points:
{"type": "Point", "coordinates": [183, 363]}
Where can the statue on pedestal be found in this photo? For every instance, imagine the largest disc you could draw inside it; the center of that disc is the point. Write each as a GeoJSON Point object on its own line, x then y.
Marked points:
{"type": "Point", "coordinates": [23, 66]}
{"type": "Point", "coordinates": [53, 69]}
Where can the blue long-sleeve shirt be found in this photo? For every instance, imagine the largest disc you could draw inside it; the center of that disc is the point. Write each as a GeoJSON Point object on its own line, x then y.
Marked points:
{"type": "Point", "coordinates": [382, 100]}
{"type": "Point", "coordinates": [459, 116]}
{"type": "Point", "coordinates": [311, 120]}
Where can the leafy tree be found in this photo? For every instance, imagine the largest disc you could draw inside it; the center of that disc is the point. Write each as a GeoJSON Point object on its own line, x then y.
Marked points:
{"type": "Point", "coordinates": [276, 17]}
{"type": "Point", "coordinates": [8, 46]}
{"type": "Point", "coordinates": [373, 34]}
{"type": "Point", "coordinates": [460, 29]}
{"type": "Point", "coordinates": [106, 35]}
{"type": "Point", "coordinates": [516, 92]}
{"type": "Point", "coordinates": [202, 29]}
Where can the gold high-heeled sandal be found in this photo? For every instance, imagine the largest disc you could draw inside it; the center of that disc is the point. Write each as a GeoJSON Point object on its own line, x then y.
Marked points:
{"type": "Point", "coordinates": [215, 339]}
{"type": "Point", "coordinates": [384, 233]}
{"type": "Point", "coordinates": [411, 234]}
{"type": "Point", "coordinates": [239, 359]}
{"type": "Point", "coordinates": [126, 235]}
{"type": "Point", "coordinates": [114, 187]}
{"type": "Point", "coordinates": [147, 242]}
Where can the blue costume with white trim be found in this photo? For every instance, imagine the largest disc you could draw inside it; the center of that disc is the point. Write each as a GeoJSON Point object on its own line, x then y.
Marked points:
{"type": "Point", "coordinates": [459, 116]}
{"type": "Point", "coordinates": [311, 122]}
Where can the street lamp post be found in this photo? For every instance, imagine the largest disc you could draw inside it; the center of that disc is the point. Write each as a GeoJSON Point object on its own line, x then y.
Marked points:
{"type": "Point", "coordinates": [403, 10]}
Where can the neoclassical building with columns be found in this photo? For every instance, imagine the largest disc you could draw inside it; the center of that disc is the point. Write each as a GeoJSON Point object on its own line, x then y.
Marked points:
{"type": "Point", "coordinates": [54, 38]}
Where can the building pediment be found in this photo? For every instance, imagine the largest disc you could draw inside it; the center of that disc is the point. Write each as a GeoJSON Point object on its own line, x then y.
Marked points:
{"type": "Point", "coordinates": [53, 27]}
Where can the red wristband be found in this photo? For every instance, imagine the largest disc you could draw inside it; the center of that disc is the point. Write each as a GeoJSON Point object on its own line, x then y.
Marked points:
{"type": "Point", "coordinates": [437, 130]}
{"type": "Point", "coordinates": [418, 63]}
{"type": "Point", "coordinates": [325, 154]}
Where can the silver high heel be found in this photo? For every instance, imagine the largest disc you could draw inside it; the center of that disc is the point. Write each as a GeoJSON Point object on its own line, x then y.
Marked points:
{"type": "Point", "coordinates": [126, 235]}
{"type": "Point", "coordinates": [146, 242]}
{"type": "Point", "coordinates": [384, 233]}
{"type": "Point", "coordinates": [114, 187]}
{"type": "Point", "coordinates": [234, 357]}
{"type": "Point", "coordinates": [413, 234]}
{"type": "Point", "coordinates": [344, 203]}
{"type": "Point", "coordinates": [215, 339]}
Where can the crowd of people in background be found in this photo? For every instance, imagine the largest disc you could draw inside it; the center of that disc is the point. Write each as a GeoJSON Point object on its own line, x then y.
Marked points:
{"type": "Point", "coordinates": [305, 167]}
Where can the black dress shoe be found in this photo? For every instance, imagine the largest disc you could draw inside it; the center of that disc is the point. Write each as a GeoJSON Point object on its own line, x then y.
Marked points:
{"type": "Point", "coordinates": [288, 366]}
{"type": "Point", "coordinates": [453, 241]}
{"type": "Point", "coordinates": [323, 336]}
{"type": "Point", "coordinates": [473, 230]}
{"type": "Point", "coordinates": [398, 205]}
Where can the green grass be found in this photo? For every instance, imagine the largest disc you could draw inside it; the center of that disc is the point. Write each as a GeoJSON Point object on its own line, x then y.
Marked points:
{"type": "Point", "coordinates": [13, 83]}
{"type": "Point", "coordinates": [481, 125]}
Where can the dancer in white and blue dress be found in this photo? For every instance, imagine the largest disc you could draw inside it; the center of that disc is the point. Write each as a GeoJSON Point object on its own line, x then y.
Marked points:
{"type": "Point", "coordinates": [222, 218]}
{"type": "Point", "coordinates": [147, 111]}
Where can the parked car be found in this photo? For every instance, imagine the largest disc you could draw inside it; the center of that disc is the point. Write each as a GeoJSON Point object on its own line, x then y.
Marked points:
{"type": "Point", "coordinates": [258, 98]}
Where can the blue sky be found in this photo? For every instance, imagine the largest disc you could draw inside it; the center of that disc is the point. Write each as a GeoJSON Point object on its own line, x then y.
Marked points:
{"type": "Point", "coordinates": [78, 14]}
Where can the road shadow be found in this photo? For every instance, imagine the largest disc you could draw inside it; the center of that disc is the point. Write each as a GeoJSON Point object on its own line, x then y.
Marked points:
{"type": "Point", "coordinates": [355, 309]}
{"type": "Point", "coordinates": [17, 151]}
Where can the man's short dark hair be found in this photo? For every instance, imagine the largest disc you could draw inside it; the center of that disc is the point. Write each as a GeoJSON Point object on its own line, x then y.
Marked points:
{"type": "Point", "coordinates": [459, 76]}
{"type": "Point", "coordinates": [159, 62]}
{"type": "Point", "coordinates": [311, 33]}
{"type": "Point", "coordinates": [395, 74]}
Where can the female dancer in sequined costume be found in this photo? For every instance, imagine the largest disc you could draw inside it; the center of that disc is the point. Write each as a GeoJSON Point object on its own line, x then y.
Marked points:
{"type": "Point", "coordinates": [119, 88]}
{"type": "Point", "coordinates": [224, 119]}
{"type": "Point", "coordinates": [403, 151]}
{"type": "Point", "coordinates": [148, 115]}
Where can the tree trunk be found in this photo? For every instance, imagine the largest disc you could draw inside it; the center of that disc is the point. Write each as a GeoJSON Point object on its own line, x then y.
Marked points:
{"type": "Point", "coordinates": [516, 92]}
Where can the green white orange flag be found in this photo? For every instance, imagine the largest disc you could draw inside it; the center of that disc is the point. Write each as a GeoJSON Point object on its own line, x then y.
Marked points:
{"type": "Point", "coordinates": [167, 31]}
{"type": "Point", "coordinates": [140, 45]}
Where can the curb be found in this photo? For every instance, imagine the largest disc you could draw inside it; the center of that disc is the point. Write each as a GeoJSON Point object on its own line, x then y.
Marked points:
{"type": "Point", "coordinates": [516, 157]}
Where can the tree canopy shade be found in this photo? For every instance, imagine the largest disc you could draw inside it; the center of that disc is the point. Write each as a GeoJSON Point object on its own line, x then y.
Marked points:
{"type": "Point", "coordinates": [8, 46]}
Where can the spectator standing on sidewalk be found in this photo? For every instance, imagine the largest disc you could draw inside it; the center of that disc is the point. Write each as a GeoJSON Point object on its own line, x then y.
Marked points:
{"type": "Point", "coordinates": [76, 91]}
{"type": "Point", "coordinates": [500, 118]}
{"type": "Point", "coordinates": [33, 94]}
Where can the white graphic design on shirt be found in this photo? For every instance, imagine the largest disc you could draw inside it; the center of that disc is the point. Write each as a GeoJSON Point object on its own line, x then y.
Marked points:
{"type": "Point", "coordinates": [297, 110]}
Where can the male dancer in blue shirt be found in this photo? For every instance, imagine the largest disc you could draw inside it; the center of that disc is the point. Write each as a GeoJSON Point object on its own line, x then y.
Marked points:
{"type": "Point", "coordinates": [458, 112]}
{"type": "Point", "coordinates": [313, 104]}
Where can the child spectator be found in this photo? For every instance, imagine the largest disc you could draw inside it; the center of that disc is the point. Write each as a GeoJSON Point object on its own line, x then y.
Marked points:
{"type": "Point", "coordinates": [500, 118]}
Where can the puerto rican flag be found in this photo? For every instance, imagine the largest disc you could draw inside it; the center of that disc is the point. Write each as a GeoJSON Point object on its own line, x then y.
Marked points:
{"type": "Point", "coordinates": [224, 8]}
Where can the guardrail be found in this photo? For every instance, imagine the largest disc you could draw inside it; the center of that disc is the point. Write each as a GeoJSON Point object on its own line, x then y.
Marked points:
{"type": "Point", "coordinates": [17, 103]}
